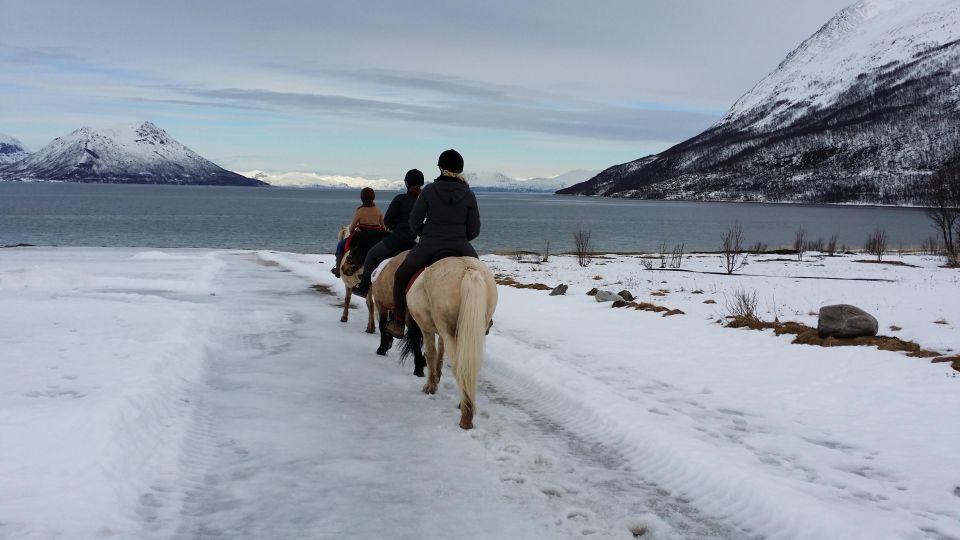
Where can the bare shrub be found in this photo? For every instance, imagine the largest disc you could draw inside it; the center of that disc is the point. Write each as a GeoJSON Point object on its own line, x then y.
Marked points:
{"type": "Point", "coordinates": [676, 256]}
{"type": "Point", "coordinates": [647, 264]}
{"type": "Point", "coordinates": [815, 245]}
{"type": "Point", "coordinates": [732, 254]}
{"type": "Point", "coordinates": [546, 253]}
{"type": "Point", "coordinates": [800, 242]}
{"type": "Point", "coordinates": [944, 211]}
{"type": "Point", "coordinates": [582, 246]}
{"type": "Point", "coordinates": [742, 307]}
{"type": "Point", "coordinates": [876, 243]}
{"type": "Point", "coordinates": [758, 248]}
{"type": "Point", "coordinates": [663, 254]}
{"type": "Point", "coordinates": [832, 245]}
{"type": "Point", "coordinates": [517, 256]}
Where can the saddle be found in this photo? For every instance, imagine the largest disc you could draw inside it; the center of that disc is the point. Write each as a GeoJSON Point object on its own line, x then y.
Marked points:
{"type": "Point", "coordinates": [442, 254]}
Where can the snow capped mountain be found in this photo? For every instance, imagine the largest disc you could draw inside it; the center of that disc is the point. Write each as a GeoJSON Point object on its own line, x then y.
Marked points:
{"type": "Point", "coordinates": [862, 111]}
{"type": "Point", "coordinates": [11, 150]}
{"type": "Point", "coordinates": [314, 180]}
{"type": "Point", "coordinates": [138, 153]}
{"type": "Point", "coordinates": [479, 181]}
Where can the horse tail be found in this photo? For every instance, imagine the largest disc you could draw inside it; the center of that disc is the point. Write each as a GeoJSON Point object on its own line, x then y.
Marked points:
{"type": "Point", "coordinates": [471, 334]}
{"type": "Point", "coordinates": [412, 342]}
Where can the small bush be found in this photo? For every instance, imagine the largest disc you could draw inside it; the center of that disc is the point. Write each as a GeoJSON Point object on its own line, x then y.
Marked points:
{"type": "Point", "coordinates": [731, 248]}
{"type": "Point", "coordinates": [800, 242]}
{"type": "Point", "coordinates": [742, 307]}
{"type": "Point", "coordinates": [582, 246]}
{"type": "Point", "coordinates": [832, 246]}
{"type": "Point", "coordinates": [876, 243]}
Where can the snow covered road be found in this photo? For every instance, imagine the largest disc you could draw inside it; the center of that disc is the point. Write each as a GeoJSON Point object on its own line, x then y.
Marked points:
{"type": "Point", "coordinates": [199, 394]}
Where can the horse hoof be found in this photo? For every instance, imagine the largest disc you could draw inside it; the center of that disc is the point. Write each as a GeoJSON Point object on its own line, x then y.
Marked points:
{"type": "Point", "coordinates": [466, 425]}
{"type": "Point", "coordinates": [382, 352]}
{"type": "Point", "coordinates": [343, 319]}
{"type": "Point", "coordinates": [418, 372]}
{"type": "Point", "coordinates": [427, 389]}
{"type": "Point", "coordinates": [369, 330]}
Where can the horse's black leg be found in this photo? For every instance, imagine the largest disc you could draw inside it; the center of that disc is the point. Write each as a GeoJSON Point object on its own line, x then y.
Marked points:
{"type": "Point", "coordinates": [419, 362]}
{"type": "Point", "coordinates": [386, 340]}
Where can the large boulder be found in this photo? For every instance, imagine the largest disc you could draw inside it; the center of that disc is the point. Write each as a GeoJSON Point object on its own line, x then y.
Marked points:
{"type": "Point", "coordinates": [607, 296]}
{"type": "Point", "coordinates": [846, 321]}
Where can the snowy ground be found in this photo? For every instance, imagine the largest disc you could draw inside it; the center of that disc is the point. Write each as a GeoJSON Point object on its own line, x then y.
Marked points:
{"type": "Point", "coordinates": [215, 394]}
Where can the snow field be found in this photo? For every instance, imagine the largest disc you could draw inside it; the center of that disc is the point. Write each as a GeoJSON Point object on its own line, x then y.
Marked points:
{"type": "Point", "coordinates": [98, 348]}
{"type": "Point", "coordinates": [190, 393]}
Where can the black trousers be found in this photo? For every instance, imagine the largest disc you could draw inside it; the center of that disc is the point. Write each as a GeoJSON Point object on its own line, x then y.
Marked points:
{"type": "Point", "coordinates": [421, 257]}
{"type": "Point", "coordinates": [387, 248]}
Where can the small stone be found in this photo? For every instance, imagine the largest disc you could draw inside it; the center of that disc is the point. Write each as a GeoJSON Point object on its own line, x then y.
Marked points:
{"type": "Point", "coordinates": [592, 292]}
{"type": "Point", "coordinates": [558, 290]}
{"type": "Point", "coordinates": [626, 295]}
{"type": "Point", "coordinates": [846, 321]}
{"type": "Point", "coordinates": [619, 303]}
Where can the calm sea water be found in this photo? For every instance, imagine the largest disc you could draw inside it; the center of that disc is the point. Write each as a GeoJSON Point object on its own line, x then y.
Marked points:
{"type": "Point", "coordinates": [306, 220]}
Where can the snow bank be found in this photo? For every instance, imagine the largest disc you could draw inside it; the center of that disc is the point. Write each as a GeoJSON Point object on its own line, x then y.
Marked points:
{"type": "Point", "coordinates": [98, 356]}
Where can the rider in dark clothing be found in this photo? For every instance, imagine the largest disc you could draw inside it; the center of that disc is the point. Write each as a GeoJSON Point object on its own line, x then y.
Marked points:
{"type": "Point", "coordinates": [446, 219]}
{"type": "Point", "coordinates": [401, 237]}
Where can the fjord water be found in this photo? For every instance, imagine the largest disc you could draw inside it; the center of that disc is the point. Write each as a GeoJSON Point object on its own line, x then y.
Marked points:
{"type": "Point", "coordinates": [306, 220]}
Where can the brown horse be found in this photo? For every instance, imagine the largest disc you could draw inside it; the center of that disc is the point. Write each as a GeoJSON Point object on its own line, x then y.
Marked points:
{"type": "Point", "coordinates": [382, 293]}
{"type": "Point", "coordinates": [453, 300]}
{"type": "Point", "coordinates": [350, 273]}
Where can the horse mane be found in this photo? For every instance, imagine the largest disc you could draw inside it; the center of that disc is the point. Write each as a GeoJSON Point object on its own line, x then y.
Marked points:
{"type": "Point", "coordinates": [342, 233]}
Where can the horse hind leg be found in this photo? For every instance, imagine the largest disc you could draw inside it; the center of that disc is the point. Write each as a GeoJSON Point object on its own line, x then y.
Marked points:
{"type": "Point", "coordinates": [370, 326]}
{"type": "Point", "coordinates": [346, 304]}
{"type": "Point", "coordinates": [434, 361]}
{"type": "Point", "coordinates": [386, 340]}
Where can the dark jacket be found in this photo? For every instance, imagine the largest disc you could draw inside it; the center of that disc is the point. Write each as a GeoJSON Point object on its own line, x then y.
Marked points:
{"type": "Point", "coordinates": [445, 215]}
{"type": "Point", "coordinates": [397, 219]}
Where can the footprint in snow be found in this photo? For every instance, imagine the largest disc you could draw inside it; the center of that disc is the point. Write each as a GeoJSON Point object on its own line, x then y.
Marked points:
{"type": "Point", "coordinates": [512, 478]}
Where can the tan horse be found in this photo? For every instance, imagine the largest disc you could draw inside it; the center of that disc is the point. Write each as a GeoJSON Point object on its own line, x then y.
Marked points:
{"type": "Point", "coordinates": [454, 299]}
{"type": "Point", "coordinates": [382, 293]}
{"type": "Point", "coordinates": [350, 275]}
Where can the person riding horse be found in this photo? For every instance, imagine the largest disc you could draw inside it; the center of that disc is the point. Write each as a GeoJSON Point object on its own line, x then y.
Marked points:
{"type": "Point", "coordinates": [446, 218]}
{"type": "Point", "coordinates": [367, 216]}
{"type": "Point", "coordinates": [401, 237]}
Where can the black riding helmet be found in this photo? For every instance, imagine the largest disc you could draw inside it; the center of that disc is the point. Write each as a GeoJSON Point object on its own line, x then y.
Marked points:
{"type": "Point", "coordinates": [413, 178]}
{"type": "Point", "coordinates": [451, 160]}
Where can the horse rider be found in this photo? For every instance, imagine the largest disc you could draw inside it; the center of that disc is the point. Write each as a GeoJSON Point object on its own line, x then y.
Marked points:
{"type": "Point", "coordinates": [401, 237]}
{"type": "Point", "coordinates": [446, 218]}
{"type": "Point", "coordinates": [367, 216]}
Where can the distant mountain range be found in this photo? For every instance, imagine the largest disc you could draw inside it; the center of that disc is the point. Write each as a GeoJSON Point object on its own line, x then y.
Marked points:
{"type": "Point", "coordinates": [862, 111]}
{"type": "Point", "coordinates": [138, 153]}
{"type": "Point", "coordinates": [479, 181]}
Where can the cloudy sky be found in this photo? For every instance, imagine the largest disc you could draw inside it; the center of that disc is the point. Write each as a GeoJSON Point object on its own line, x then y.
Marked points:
{"type": "Point", "coordinates": [373, 88]}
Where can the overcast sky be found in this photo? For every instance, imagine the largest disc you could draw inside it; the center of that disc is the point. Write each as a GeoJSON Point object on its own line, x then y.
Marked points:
{"type": "Point", "coordinates": [529, 88]}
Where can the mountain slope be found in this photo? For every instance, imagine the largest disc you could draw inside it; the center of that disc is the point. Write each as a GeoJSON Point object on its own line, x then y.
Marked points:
{"type": "Point", "coordinates": [862, 111]}
{"type": "Point", "coordinates": [11, 150]}
{"type": "Point", "coordinates": [139, 153]}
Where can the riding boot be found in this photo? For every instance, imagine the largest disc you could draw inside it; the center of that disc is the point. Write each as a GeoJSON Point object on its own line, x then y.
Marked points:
{"type": "Point", "coordinates": [396, 325]}
{"type": "Point", "coordinates": [363, 287]}
{"type": "Point", "coordinates": [336, 268]}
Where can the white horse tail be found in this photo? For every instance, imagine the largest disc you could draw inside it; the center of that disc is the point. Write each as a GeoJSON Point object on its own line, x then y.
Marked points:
{"type": "Point", "coordinates": [471, 337]}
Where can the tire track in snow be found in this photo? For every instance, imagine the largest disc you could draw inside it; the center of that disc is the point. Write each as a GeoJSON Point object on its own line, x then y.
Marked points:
{"type": "Point", "coordinates": [603, 416]}
{"type": "Point", "coordinates": [590, 482]}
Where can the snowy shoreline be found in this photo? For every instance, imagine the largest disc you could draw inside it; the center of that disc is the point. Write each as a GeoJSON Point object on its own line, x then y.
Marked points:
{"type": "Point", "coordinates": [112, 358]}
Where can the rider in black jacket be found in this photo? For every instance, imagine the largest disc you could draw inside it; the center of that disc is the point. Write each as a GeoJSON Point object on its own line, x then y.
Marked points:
{"type": "Point", "coordinates": [446, 218]}
{"type": "Point", "coordinates": [401, 237]}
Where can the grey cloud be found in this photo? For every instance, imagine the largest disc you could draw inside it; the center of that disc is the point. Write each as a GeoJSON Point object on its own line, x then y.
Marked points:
{"type": "Point", "coordinates": [595, 121]}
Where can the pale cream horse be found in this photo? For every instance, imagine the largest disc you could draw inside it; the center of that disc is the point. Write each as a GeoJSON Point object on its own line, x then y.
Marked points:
{"type": "Point", "coordinates": [350, 275]}
{"type": "Point", "coordinates": [453, 300]}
